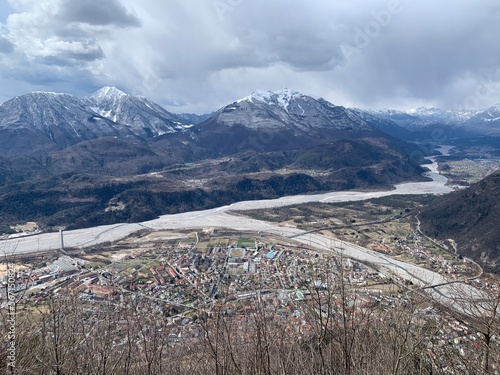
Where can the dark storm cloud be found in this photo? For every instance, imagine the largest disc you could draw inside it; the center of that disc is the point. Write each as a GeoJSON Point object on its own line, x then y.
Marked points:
{"type": "Point", "coordinates": [43, 75]}
{"type": "Point", "coordinates": [295, 49]}
{"type": "Point", "coordinates": [89, 55]}
{"type": "Point", "coordinates": [423, 59]}
{"type": "Point", "coordinates": [98, 12]}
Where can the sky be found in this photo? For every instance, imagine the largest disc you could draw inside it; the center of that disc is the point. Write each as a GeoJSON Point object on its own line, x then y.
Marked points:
{"type": "Point", "coordinates": [199, 55]}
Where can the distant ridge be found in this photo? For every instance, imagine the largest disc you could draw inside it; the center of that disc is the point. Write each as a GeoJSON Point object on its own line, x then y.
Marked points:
{"type": "Point", "coordinates": [487, 121]}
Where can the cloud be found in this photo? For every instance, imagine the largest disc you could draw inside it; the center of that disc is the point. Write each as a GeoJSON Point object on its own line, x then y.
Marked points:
{"type": "Point", "coordinates": [199, 55]}
{"type": "Point", "coordinates": [98, 12]}
{"type": "Point", "coordinates": [5, 46]}
{"type": "Point", "coordinates": [55, 45]}
{"type": "Point", "coordinates": [413, 52]}
{"type": "Point", "coordinates": [409, 60]}
{"type": "Point", "coordinates": [65, 32]}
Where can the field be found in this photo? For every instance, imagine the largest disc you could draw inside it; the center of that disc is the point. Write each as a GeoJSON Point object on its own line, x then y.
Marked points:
{"type": "Point", "coordinates": [468, 171]}
{"type": "Point", "coordinates": [246, 242]}
{"type": "Point", "coordinates": [468, 164]}
{"type": "Point", "coordinates": [317, 216]}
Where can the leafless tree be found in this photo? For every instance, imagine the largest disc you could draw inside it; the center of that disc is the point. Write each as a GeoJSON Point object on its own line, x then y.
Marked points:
{"type": "Point", "coordinates": [478, 311]}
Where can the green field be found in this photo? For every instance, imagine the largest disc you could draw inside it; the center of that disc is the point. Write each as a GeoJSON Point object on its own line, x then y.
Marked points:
{"type": "Point", "coordinates": [246, 242]}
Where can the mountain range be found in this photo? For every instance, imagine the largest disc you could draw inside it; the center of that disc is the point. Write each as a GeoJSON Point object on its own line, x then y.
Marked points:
{"type": "Point", "coordinates": [421, 117]}
{"type": "Point", "coordinates": [112, 157]}
{"type": "Point", "coordinates": [73, 162]}
{"type": "Point", "coordinates": [41, 121]}
{"type": "Point", "coordinates": [436, 125]}
{"type": "Point", "coordinates": [66, 161]}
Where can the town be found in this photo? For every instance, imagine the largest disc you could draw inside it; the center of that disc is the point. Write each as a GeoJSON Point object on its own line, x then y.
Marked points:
{"type": "Point", "coordinates": [186, 277]}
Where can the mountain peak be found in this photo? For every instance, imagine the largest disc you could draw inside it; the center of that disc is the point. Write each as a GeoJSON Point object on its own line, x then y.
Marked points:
{"type": "Point", "coordinates": [281, 97]}
{"type": "Point", "coordinates": [289, 110]}
{"type": "Point", "coordinates": [109, 91]}
{"type": "Point", "coordinates": [43, 96]}
{"type": "Point", "coordinates": [142, 116]}
{"type": "Point", "coordinates": [495, 107]}
{"type": "Point", "coordinates": [50, 121]}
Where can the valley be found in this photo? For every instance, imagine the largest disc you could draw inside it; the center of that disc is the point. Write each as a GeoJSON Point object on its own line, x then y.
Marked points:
{"type": "Point", "coordinates": [113, 157]}
{"type": "Point", "coordinates": [230, 217]}
{"type": "Point", "coordinates": [280, 258]}
{"type": "Point", "coordinates": [277, 207]}
{"type": "Point", "coordinates": [235, 187]}
{"type": "Point", "coordinates": [216, 217]}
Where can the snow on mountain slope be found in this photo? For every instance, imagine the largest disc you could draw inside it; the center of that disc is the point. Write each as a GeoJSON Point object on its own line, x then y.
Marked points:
{"type": "Point", "coordinates": [281, 98]}
{"type": "Point", "coordinates": [487, 121]}
{"type": "Point", "coordinates": [142, 116]}
{"type": "Point", "coordinates": [288, 109]}
{"type": "Point", "coordinates": [42, 120]}
{"type": "Point", "coordinates": [420, 117]}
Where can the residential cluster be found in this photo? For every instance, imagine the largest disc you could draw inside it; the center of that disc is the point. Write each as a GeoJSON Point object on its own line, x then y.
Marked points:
{"type": "Point", "coordinates": [413, 244]}
{"type": "Point", "coordinates": [184, 281]}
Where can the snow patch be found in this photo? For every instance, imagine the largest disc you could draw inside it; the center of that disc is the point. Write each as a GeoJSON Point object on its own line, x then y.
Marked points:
{"type": "Point", "coordinates": [281, 98]}
{"type": "Point", "coordinates": [108, 92]}
{"type": "Point", "coordinates": [303, 111]}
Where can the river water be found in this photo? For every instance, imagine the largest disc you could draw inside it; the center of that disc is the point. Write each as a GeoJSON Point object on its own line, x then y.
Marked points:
{"type": "Point", "coordinates": [216, 217]}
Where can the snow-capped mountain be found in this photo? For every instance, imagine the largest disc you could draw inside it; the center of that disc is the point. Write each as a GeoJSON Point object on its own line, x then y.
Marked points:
{"type": "Point", "coordinates": [280, 120]}
{"type": "Point", "coordinates": [385, 125]}
{"type": "Point", "coordinates": [487, 121]}
{"type": "Point", "coordinates": [264, 120]}
{"type": "Point", "coordinates": [44, 121]}
{"type": "Point", "coordinates": [288, 109]}
{"type": "Point", "coordinates": [144, 117]}
{"type": "Point", "coordinates": [448, 116]}
{"type": "Point", "coordinates": [421, 117]}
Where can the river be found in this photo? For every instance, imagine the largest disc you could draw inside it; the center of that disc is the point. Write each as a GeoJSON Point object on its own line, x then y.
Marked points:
{"type": "Point", "coordinates": [222, 217]}
{"type": "Point", "coordinates": [216, 217]}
